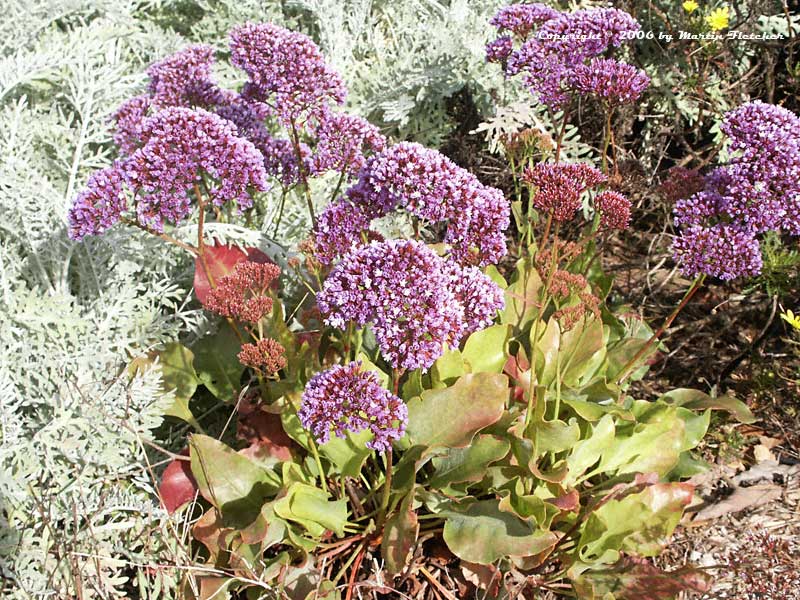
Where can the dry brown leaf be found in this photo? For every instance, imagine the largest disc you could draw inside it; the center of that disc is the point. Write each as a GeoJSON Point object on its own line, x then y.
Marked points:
{"type": "Point", "coordinates": [741, 499]}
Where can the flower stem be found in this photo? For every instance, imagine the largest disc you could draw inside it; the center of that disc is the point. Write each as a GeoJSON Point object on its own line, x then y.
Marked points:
{"type": "Point", "coordinates": [303, 175]}
{"type": "Point", "coordinates": [317, 460]}
{"type": "Point", "coordinates": [163, 236]}
{"type": "Point", "coordinates": [631, 364]}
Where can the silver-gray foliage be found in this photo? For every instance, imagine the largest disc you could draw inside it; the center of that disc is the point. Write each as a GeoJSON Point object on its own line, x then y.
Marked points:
{"type": "Point", "coordinates": [78, 509]}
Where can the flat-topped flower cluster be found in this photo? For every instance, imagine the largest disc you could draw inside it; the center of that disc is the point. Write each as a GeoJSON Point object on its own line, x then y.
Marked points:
{"type": "Point", "coordinates": [756, 191]}
{"type": "Point", "coordinates": [559, 54]}
{"type": "Point", "coordinates": [187, 140]}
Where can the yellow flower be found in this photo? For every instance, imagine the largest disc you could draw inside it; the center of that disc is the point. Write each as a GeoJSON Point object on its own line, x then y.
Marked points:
{"type": "Point", "coordinates": [792, 319]}
{"type": "Point", "coordinates": [690, 6]}
{"type": "Point", "coordinates": [718, 19]}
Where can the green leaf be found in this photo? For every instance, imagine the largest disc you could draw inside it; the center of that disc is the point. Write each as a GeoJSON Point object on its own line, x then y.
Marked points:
{"type": "Point", "coordinates": [633, 579]}
{"type": "Point", "coordinates": [529, 507]}
{"type": "Point", "coordinates": [582, 350]}
{"type": "Point", "coordinates": [348, 454]}
{"type": "Point", "coordinates": [545, 351]}
{"type": "Point", "coordinates": [216, 363]}
{"type": "Point", "coordinates": [555, 436]}
{"type": "Point", "coordinates": [634, 449]}
{"type": "Point", "coordinates": [638, 523]}
{"type": "Point", "coordinates": [486, 351]}
{"type": "Point", "coordinates": [447, 368]}
{"type": "Point", "coordinates": [231, 482]}
{"type": "Point", "coordinates": [451, 417]}
{"type": "Point", "coordinates": [468, 464]}
{"type": "Point", "coordinates": [483, 534]}
{"type": "Point", "coordinates": [177, 370]}
{"type": "Point", "coordinates": [522, 296]}
{"type": "Point", "coordinates": [310, 507]}
{"type": "Point", "coordinates": [587, 452]}
{"type": "Point", "coordinates": [697, 400]}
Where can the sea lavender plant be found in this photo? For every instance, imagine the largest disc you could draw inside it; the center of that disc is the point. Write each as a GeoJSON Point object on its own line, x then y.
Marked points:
{"type": "Point", "coordinates": [417, 302]}
{"type": "Point", "coordinates": [433, 189]}
{"type": "Point", "coordinates": [612, 81]}
{"type": "Point", "coordinates": [562, 43]}
{"type": "Point", "coordinates": [347, 398]}
{"type": "Point", "coordinates": [286, 71]}
{"type": "Point", "coordinates": [758, 190]}
{"type": "Point", "coordinates": [342, 140]}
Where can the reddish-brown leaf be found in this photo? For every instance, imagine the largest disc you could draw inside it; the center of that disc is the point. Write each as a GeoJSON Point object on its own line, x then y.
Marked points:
{"type": "Point", "coordinates": [178, 485]}
{"type": "Point", "coordinates": [637, 579]}
{"type": "Point", "coordinates": [264, 432]}
{"type": "Point", "coordinates": [220, 261]}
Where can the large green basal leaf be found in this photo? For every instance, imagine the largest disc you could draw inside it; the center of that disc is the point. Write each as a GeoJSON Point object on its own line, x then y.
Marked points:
{"type": "Point", "coordinates": [638, 523]}
{"type": "Point", "coordinates": [233, 483]}
{"type": "Point", "coordinates": [216, 363]}
{"type": "Point", "coordinates": [632, 451]}
{"type": "Point", "coordinates": [486, 351]}
{"type": "Point", "coordinates": [482, 534]}
{"type": "Point", "coordinates": [587, 452]}
{"type": "Point", "coordinates": [348, 454]}
{"type": "Point", "coordinates": [468, 464]}
{"type": "Point", "coordinates": [310, 507]}
{"type": "Point", "coordinates": [697, 400]}
{"type": "Point", "coordinates": [450, 417]}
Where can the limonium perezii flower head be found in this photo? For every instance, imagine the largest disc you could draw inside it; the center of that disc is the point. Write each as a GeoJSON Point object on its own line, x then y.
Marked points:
{"type": "Point", "coordinates": [244, 293]}
{"type": "Point", "coordinates": [561, 43]}
{"type": "Point", "coordinates": [99, 206]}
{"type": "Point", "coordinates": [431, 187]}
{"type": "Point", "coordinates": [346, 398]}
{"type": "Point", "coordinates": [614, 209]}
{"type": "Point", "coordinates": [612, 81]}
{"type": "Point", "coordinates": [179, 78]}
{"type": "Point", "coordinates": [181, 146]}
{"type": "Point", "coordinates": [129, 118]}
{"type": "Point", "coordinates": [757, 191]}
{"type": "Point", "coordinates": [408, 294]}
{"type": "Point", "coordinates": [286, 70]}
{"type": "Point", "coordinates": [340, 229]}
{"type": "Point", "coordinates": [520, 19]}
{"type": "Point", "coordinates": [559, 186]}
{"type": "Point", "coordinates": [723, 250]}
{"type": "Point", "coordinates": [342, 140]}
{"type": "Point", "coordinates": [497, 51]}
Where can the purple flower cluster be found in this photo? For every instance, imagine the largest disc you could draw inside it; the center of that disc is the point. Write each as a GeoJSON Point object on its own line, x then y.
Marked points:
{"type": "Point", "coordinates": [342, 140]}
{"type": "Point", "coordinates": [187, 131]}
{"type": "Point", "coordinates": [182, 149]}
{"type": "Point", "coordinates": [559, 186]}
{"type": "Point", "coordinates": [180, 78]}
{"type": "Point", "coordinates": [181, 146]}
{"type": "Point", "coordinates": [433, 188]}
{"type": "Point", "coordinates": [520, 19]}
{"type": "Point", "coordinates": [346, 398]}
{"type": "Point", "coordinates": [417, 302]}
{"type": "Point", "coordinates": [129, 118]}
{"type": "Point", "coordinates": [612, 81]}
{"type": "Point", "coordinates": [340, 229]}
{"type": "Point", "coordinates": [722, 250]}
{"type": "Point", "coordinates": [498, 50]}
{"type": "Point", "coordinates": [757, 191]}
{"type": "Point", "coordinates": [560, 46]}
{"type": "Point", "coordinates": [286, 70]}
{"type": "Point", "coordinates": [99, 206]}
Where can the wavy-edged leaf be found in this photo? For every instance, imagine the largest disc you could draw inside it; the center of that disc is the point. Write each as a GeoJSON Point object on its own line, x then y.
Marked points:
{"type": "Point", "coordinates": [450, 417]}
